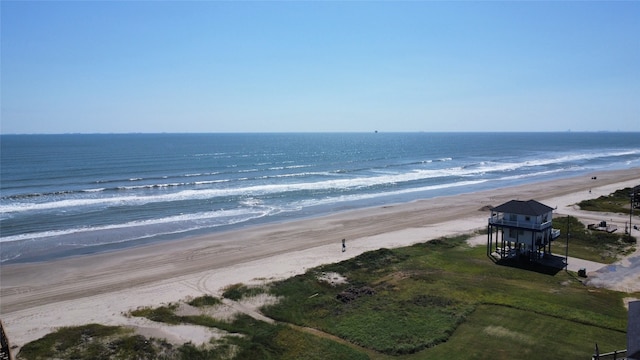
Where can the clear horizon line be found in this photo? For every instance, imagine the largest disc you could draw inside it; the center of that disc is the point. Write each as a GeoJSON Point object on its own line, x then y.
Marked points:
{"type": "Point", "coordinates": [327, 132]}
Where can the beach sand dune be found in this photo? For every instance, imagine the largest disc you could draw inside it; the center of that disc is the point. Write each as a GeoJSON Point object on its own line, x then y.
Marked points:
{"type": "Point", "coordinates": [36, 298]}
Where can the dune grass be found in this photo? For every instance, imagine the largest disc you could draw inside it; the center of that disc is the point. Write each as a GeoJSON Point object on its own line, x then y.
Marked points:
{"type": "Point", "coordinates": [94, 341]}
{"type": "Point", "coordinates": [238, 291]}
{"type": "Point", "coordinates": [426, 296]}
{"type": "Point", "coordinates": [617, 202]}
{"type": "Point", "coordinates": [206, 300]}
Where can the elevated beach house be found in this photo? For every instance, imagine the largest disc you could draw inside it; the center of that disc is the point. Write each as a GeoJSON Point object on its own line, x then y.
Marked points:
{"type": "Point", "coordinates": [522, 230]}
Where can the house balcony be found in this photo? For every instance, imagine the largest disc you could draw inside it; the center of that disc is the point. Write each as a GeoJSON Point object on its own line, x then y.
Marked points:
{"type": "Point", "coordinates": [528, 225]}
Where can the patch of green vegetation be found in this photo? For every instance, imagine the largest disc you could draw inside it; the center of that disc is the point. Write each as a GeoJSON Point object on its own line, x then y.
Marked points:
{"type": "Point", "coordinates": [206, 300]}
{"type": "Point", "coordinates": [249, 339]}
{"type": "Point", "coordinates": [599, 246]}
{"type": "Point", "coordinates": [498, 332]}
{"type": "Point", "coordinates": [261, 340]}
{"type": "Point", "coordinates": [301, 345]}
{"type": "Point", "coordinates": [64, 339]}
{"type": "Point", "coordinates": [164, 314]}
{"type": "Point", "coordinates": [258, 340]}
{"type": "Point", "coordinates": [93, 341]}
{"type": "Point", "coordinates": [238, 291]}
{"type": "Point", "coordinates": [618, 202]}
{"type": "Point", "coordinates": [222, 350]}
{"type": "Point", "coordinates": [395, 328]}
{"type": "Point", "coordinates": [423, 293]}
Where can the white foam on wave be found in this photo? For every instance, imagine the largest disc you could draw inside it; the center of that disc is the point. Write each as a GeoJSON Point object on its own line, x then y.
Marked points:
{"type": "Point", "coordinates": [352, 183]}
{"type": "Point", "coordinates": [340, 184]}
{"type": "Point", "coordinates": [368, 196]}
{"type": "Point", "coordinates": [572, 157]}
{"type": "Point", "coordinates": [335, 184]}
{"type": "Point", "coordinates": [539, 173]}
{"type": "Point", "coordinates": [303, 174]}
{"type": "Point", "coordinates": [211, 219]}
{"type": "Point", "coordinates": [94, 190]}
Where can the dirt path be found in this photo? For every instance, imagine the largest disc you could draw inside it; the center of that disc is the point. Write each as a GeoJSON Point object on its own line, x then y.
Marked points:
{"type": "Point", "coordinates": [256, 314]}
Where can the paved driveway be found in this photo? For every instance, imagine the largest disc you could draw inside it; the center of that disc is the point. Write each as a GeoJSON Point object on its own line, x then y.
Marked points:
{"type": "Point", "coordinates": [623, 275]}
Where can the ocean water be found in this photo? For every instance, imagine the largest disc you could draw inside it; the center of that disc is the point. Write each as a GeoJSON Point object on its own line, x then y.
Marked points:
{"type": "Point", "coordinates": [65, 195]}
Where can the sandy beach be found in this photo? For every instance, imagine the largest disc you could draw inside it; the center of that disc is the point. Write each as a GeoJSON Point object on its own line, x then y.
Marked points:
{"type": "Point", "coordinates": [37, 298]}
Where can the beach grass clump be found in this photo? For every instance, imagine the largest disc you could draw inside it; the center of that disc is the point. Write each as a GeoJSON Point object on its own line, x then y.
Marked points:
{"type": "Point", "coordinates": [163, 314]}
{"type": "Point", "coordinates": [94, 341]}
{"type": "Point", "coordinates": [203, 301]}
{"type": "Point", "coordinates": [238, 291]}
{"type": "Point", "coordinates": [63, 339]}
{"type": "Point", "coordinates": [617, 202]}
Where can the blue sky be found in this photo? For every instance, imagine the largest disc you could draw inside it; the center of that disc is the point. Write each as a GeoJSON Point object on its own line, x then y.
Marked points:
{"type": "Point", "coordinates": [210, 66]}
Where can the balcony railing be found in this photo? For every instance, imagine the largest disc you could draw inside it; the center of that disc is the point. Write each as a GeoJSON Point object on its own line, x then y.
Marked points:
{"type": "Point", "coordinates": [500, 221]}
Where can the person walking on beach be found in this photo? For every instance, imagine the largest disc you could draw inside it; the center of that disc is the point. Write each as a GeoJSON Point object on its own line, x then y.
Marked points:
{"type": "Point", "coordinates": [344, 246]}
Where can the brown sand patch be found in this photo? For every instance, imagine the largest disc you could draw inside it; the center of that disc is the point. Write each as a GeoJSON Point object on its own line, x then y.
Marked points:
{"type": "Point", "coordinates": [499, 331]}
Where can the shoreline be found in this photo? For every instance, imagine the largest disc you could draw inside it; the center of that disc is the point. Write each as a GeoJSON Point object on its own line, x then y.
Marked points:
{"type": "Point", "coordinates": [38, 297]}
{"type": "Point", "coordinates": [25, 251]}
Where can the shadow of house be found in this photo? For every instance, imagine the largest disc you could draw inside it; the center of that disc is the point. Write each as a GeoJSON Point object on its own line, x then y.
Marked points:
{"type": "Point", "coordinates": [550, 265]}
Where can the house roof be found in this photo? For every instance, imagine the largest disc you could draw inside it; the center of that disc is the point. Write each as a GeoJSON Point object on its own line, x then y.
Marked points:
{"type": "Point", "coordinates": [529, 207]}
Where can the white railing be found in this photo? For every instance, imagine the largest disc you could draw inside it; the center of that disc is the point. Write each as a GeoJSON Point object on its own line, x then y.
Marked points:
{"type": "Point", "coordinates": [616, 355]}
{"type": "Point", "coordinates": [519, 224]}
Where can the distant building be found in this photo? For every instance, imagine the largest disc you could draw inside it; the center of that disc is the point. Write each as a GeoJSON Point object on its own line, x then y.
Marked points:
{"type": "Point", "coordinates": [522, 230]}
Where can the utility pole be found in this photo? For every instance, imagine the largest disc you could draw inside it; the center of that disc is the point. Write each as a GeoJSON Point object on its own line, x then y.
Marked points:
{"type": "Point", "coordinates": [631, 212]}
{"type": "Point", "coordinates": [566, 252]}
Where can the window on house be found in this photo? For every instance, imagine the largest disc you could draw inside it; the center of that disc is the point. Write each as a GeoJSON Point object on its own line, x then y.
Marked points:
{"type": "Point", "coordinates": [513, 217]}
{"type": "Point", "coordinates": [527, 218]}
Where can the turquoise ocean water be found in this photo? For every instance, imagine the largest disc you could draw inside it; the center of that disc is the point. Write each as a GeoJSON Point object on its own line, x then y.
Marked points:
{"type": "Point", "coordinates": [66, 195]}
